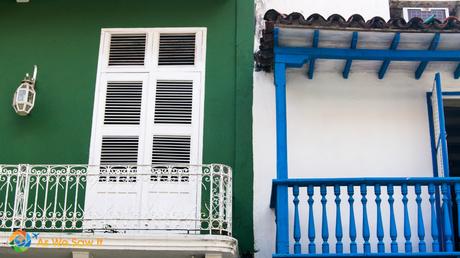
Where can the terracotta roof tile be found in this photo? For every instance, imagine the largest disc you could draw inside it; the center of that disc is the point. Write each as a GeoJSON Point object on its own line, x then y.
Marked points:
{"type": "Point", "coordinates": [264, 57]}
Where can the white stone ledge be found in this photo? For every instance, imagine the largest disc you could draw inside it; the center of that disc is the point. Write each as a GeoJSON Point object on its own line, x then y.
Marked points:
{"type": "Point", "coordinates": [136, 244]}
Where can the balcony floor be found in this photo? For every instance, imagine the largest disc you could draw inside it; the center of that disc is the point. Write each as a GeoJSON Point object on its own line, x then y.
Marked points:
{"type": "Point", "coordinates": [427, 254]}
{"type": "Point", "coordinates": [105, 245]}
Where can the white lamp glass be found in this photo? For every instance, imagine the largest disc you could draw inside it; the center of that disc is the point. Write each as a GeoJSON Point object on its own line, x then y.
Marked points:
{"type": "Point", "coordinates": [24, 97]}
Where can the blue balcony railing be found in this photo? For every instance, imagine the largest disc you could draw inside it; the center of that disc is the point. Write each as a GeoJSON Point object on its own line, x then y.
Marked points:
{"type": "Point", "coordinates": [366, 217]}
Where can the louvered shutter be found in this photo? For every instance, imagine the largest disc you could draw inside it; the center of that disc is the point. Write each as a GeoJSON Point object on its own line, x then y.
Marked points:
{"type": "Point", "coordinates": [173, 102]}
{"type": "Point", "coordinates": [176, 123]}
{"type": "Point", "coordinates": [123, 103]}
{"type": "Point", "coordinates": [127, 49]}
{"type": "Point", "coordinates": [177, 49]}
{"type": "Point", "coordinates": [176, 102]}
{"type": "Point", "coordinates": [121, 131]}
{"type": "Point", "coordinates": [148, 111]}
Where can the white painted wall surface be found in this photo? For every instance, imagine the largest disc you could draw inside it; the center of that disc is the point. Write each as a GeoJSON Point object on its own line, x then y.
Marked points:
{"type": "Point", "coordinates": [360, 127]}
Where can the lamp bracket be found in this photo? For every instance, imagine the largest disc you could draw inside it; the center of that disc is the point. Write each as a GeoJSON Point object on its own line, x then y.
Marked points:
{"type": "Point", "coordinates": [34, 76]}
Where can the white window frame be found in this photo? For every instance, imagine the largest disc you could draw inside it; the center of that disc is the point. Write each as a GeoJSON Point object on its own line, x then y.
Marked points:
{"type": "Point", "coordinates": [147, 73]}
{"type": "Point", "coordinates": [406, 11]}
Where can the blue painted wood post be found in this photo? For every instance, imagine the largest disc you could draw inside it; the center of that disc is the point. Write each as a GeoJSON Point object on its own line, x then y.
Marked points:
{"type": "Point", "coordinates": [434, 219]}
{"type": "Point", "coordinates": [311, 221]}
{"type": "Point", "coordinates": [324, 226]}
{"type": "Point", "coordinates": [457, 72]}
{"type": "Point", "coordinates": [282, 213]}
{"type": "Point", "coordinates": [394, 44]}
{"type": "Point", "coordinates": [407, 230]}
{"type": "Point", "coordinates": [366, 231]}
{"type": "Point", "coordinates": [347, 67]}
{"type": "Point", "coordinates": [352, 226]}
{"type": "Point", "coordinates": [393, 230]}
{"type": "Point", "coordinates": [457, 199]}
{"type": "Point", "coordinates": [433, 45]}
{"type": "Point", "coordinates": [297, 246]}
{"type": "Point", "coordinates": [338, 221]}
{"type": "Point", "coordinates": [380, 231]}
{"type": "Point", "coordinates": [311, 63]}
{"type": "Point", "coordinates": [420, 223]}
{"type": "Point", "coordinates": [446, 218]}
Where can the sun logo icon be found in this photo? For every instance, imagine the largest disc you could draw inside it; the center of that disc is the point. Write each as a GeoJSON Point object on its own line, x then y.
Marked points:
{"type": "Point", "coordinates": [20, 241]}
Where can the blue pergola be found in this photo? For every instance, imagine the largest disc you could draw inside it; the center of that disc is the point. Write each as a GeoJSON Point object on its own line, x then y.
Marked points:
{"type": "Point", "coordinates": [288, 56]}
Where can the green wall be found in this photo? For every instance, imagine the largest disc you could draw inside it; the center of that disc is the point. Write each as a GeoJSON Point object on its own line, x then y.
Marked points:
{"type": "Point", "coordinates": [62, 38]}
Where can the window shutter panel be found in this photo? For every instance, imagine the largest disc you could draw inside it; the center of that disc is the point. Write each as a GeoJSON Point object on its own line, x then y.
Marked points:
{"type": "Point", "coordinates": [123, 103]}
{"type": "Point", "coordinates": [177, 49]}
{"type": "Point", "coordinates": [173, 102]}
{"type": "Point", "coordinates": [171, 149]}
{"type": "Point", "coordinates": [118, 150]}
{"type": "Point", "coordinates": [117, 154]}
{"type": "Point", "coordinates": [127, 49]}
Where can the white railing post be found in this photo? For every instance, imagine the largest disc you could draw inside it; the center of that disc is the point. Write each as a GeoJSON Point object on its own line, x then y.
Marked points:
{"type": "Point", "coordinates": [20, 200]}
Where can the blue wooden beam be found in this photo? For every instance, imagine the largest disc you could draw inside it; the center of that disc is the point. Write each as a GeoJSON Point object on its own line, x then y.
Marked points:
{"type": "Point", "coordinates": [282, 209]}
{"type": "Point", "coordinates": [354, 42]}
{"type": "Point", "coordinates": [457, 72]}
{"type": "Point", "coordinates": [293, 55]}
{"type": "Point", "coordinates": [386, 63]}
{"type": "Point", "coordinates": [314, 44]}
{"type": "Point", "coordinates": [421, 67]}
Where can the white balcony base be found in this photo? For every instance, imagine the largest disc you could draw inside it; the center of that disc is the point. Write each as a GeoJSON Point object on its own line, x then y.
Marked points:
{"type": "Point", "coordinates": [106, 245]}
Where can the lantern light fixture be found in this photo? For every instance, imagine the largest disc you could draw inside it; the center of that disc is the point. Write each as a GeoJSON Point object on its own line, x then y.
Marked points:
{"type": "Point", "coordinates": [24, 97]}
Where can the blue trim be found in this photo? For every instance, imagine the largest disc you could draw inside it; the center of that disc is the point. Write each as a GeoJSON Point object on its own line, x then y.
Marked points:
{"type": "Point", "coordinates": [442, 123]}
{"type": "Point", "coordinates": [281, 127]}
{"type": "Point", "coordinates": [421, 67]}
{"type": "Point", "coordinates": [430, 121]}
{"type": "Point", "coordinates": [457, 72]}
{"type": "Point", "coordinates": [354, 42]}
{"type": "Point", "coordinates": [358, 181]}
{"type": "Point", "coordinates": [314, 44]}
{"type": "Point", "coordinates": [293, 54]}
{"type": "Point", "coordinates": [386, 63]}
{"type": "Point", "coordinates": [298, 56]}
{"type": "Point", "coordinates": [362, 255]}
{"type": "Point", "coordinates": [282, 213]}
{"type": "Point", "coordinates": [451, 93]}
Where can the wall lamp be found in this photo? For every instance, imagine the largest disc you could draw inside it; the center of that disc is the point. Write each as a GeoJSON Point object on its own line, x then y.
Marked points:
{"type": "Point", "coordinates": [24, 97]}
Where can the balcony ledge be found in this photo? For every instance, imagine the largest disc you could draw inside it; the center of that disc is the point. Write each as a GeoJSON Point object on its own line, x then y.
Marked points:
{"type": "Point", "coordinates": [166, 245]}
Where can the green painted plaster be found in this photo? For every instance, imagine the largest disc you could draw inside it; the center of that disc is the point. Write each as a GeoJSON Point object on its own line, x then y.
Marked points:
{"type": "Point", "coordinates": [62, 37]}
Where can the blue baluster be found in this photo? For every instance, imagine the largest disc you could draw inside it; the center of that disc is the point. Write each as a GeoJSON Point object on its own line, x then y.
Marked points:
{"type": "Point", "coordinates": [297, 246]}
{"type": "Point", "coordinates": [338, 221]}
{"type": "Point", "coordinates": [434, 219]}
{"type": "Point", "coordinates": [446, 218]}
{"type": "Point", "coordinates": [380, 231]}
{"type": "Point", "coordinates": [311, 221]}
{"type": "Point", "coordinates": [366, 231]}
{"type": "Point", "coordinates": [420, 224]}
{"type": "Point", "coordinates": [407, 231]}
{"type": "Point", "coordinates": [325, 228]}
{"type": "Point", "coordinates": [457, 199]}
{"type": "Point", "coordinates": [352, 226]}
{"type": "Point", "coordinates": [393, 230]}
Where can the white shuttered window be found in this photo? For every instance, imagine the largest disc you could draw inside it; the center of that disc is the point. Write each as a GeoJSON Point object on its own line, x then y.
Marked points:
{"type": "Point", "coordinates": [149, 97]}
